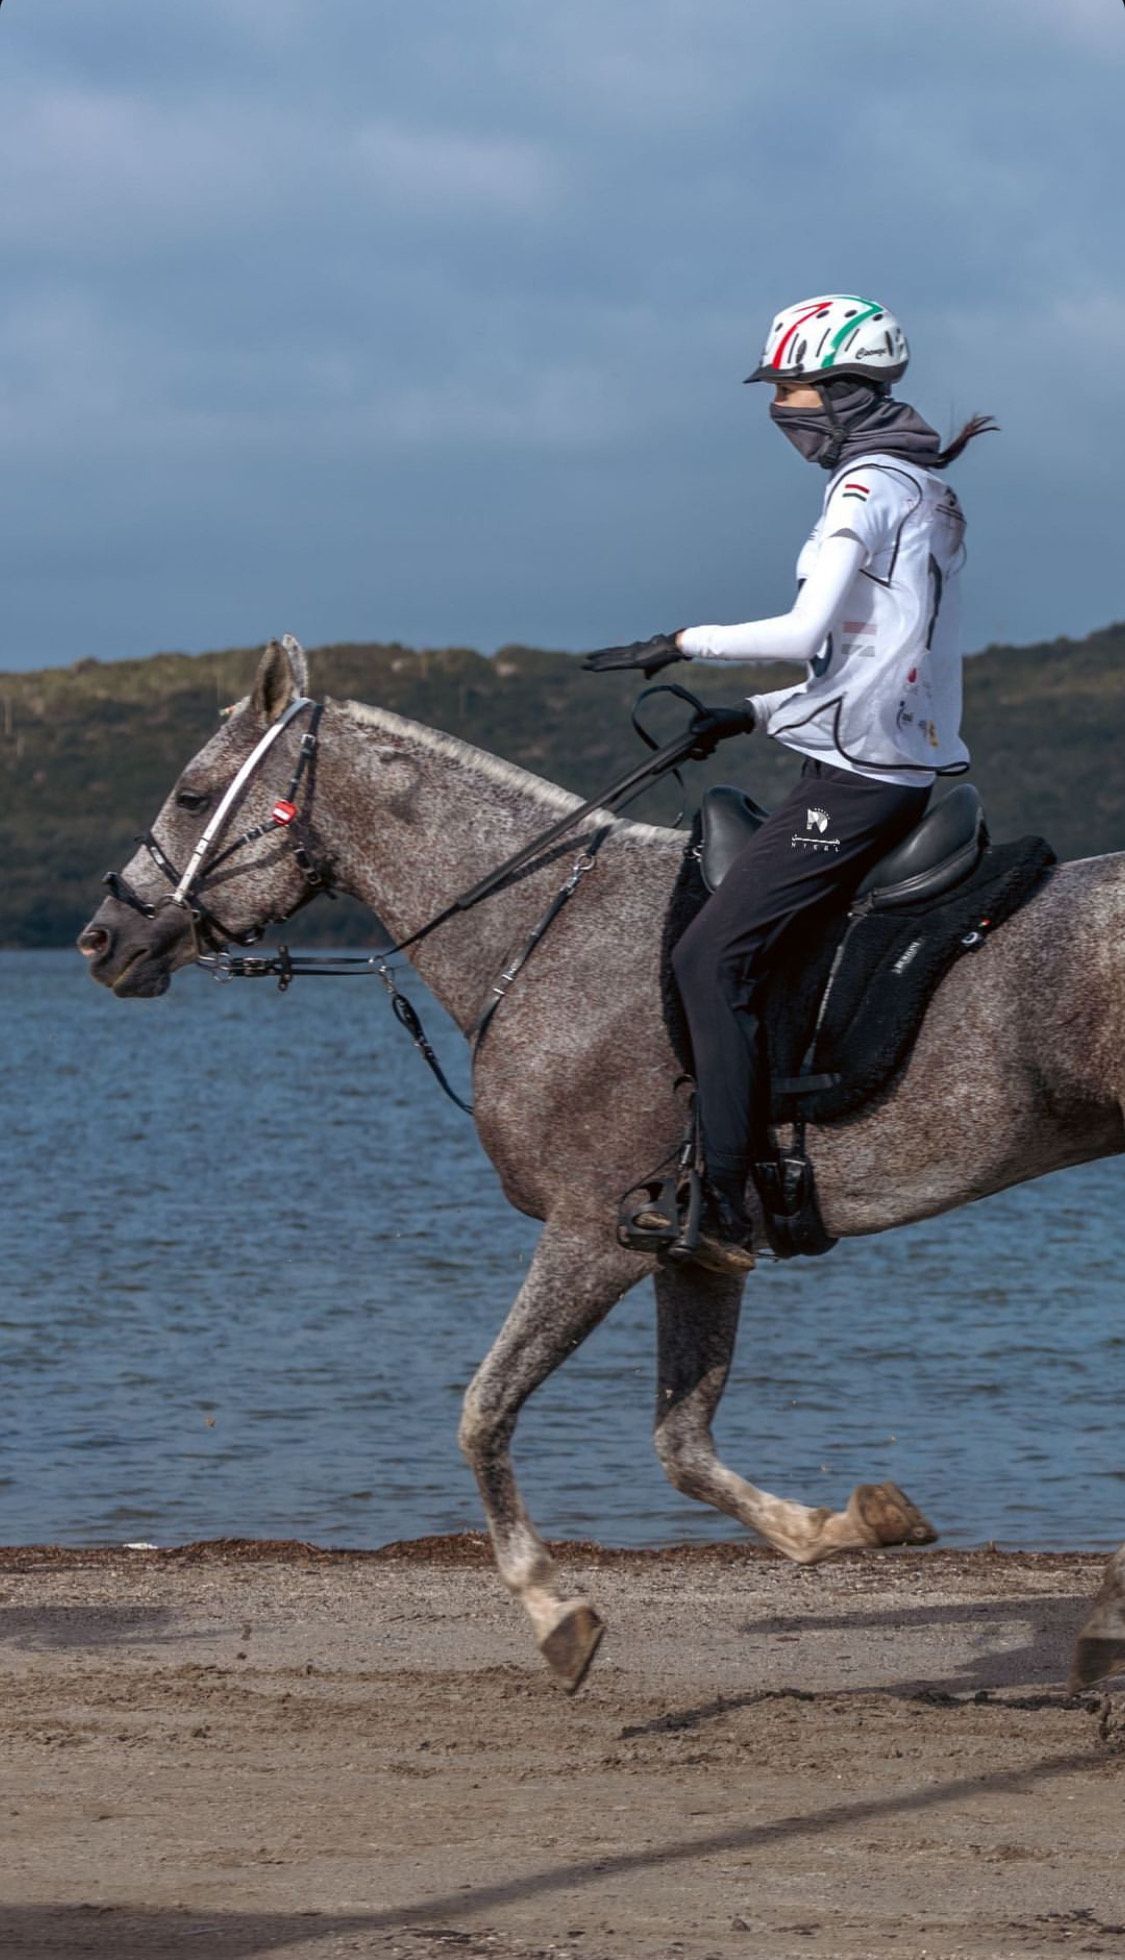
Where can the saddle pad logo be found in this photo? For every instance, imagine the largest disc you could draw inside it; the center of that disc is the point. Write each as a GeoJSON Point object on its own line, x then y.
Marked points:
{"type": "Point", "coordinates": [817, 820]}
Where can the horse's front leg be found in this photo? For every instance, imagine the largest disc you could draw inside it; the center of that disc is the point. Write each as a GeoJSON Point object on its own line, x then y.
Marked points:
{"type": "Point", "coordinates": [698, 1321]}
{"type": "Point", "coordinates": [578, 1273]}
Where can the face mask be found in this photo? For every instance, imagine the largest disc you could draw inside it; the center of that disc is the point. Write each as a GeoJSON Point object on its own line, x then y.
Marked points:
{"type": "Point", "coordinates": [808, 429]}
{"type": "Point", "coordinates": [855, 420]}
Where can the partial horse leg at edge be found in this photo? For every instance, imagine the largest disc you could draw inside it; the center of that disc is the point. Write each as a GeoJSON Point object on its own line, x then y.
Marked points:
{"type": "Point", "coordinates": [1100, 1648]}
{"type": "Point", "coordinates": [575, 1277]}
{"type": "Point", "coordinates": [698, 1315]}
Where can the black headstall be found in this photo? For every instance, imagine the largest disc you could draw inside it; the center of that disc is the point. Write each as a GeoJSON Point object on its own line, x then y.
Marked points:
{"type": "Point", "coordinates": [286, 815]}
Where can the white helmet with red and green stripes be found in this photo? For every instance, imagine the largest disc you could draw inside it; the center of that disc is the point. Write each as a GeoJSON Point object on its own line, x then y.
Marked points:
{"type": "Point", "coordinates": [839, 335]}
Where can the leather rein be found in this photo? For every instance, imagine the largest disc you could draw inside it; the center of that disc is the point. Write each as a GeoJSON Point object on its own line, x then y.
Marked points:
{"type": "Point", "coordinates": [211, 938]}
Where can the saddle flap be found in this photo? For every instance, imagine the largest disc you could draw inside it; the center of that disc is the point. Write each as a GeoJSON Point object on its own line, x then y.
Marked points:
{"type": "Point", "coordinates": [729, 819]}
{"type": "Point", "coordinates": [941, 850]}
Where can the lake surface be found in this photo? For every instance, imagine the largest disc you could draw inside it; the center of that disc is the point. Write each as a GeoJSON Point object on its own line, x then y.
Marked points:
{"type": "Point", "coordinates": [224, 1312]}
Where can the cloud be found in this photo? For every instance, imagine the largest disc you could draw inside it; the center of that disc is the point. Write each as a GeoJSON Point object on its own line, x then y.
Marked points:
{"type": "Point", "coordinates": [429, 171]}
{"type": "Point", "coordinates": [481, 284]}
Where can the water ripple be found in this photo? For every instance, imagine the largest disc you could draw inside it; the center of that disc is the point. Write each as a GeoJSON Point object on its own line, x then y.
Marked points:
{"type": "Point", "coordinates": [223, 1311]}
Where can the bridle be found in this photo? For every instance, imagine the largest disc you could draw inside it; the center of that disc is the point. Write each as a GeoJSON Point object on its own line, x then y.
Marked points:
{"type": "Point", "coordinates": [199, 872]}
{"type": "Point", "coordinates": [211, 937]}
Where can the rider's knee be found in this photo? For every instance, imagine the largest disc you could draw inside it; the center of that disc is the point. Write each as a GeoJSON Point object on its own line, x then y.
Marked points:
{"type": "Point", "coordinates": [706, 968]}
{"type": "Point", "coordinates": [693, 959]}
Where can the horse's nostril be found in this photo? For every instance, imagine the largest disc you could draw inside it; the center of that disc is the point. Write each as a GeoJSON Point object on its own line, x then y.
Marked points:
{"type": "Point", "coordinates": [94, 941]}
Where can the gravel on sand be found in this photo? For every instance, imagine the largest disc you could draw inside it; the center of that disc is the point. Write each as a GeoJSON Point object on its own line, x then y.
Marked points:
{"type": "Point", "coordinates": [240, 1751]}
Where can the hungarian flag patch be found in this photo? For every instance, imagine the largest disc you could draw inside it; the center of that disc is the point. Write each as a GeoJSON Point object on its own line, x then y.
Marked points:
{"type": "Point", "coordinates": [859, 490]}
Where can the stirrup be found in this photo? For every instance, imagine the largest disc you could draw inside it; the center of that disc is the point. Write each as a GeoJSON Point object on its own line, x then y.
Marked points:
{"type": "Point", "coordinates": [666, 1218]}
{"type": "Point", "coordinates": [648, 1217]}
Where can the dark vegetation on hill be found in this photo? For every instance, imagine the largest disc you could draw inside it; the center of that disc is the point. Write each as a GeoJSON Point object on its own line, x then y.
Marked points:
{"type": "Point", "coordinates": [88, 753]}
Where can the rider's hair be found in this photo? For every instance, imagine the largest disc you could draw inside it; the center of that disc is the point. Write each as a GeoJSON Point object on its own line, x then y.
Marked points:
{"type": "Point", "coordinates": [977, 425]}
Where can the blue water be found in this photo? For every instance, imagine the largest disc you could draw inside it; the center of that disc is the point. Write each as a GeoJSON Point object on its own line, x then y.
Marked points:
{"type": "Point", "coordinates": [224, 1311]}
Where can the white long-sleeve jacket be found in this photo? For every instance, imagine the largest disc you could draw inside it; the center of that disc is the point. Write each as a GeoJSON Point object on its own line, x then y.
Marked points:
{"type": "Point", "coordinates": [877, 620]}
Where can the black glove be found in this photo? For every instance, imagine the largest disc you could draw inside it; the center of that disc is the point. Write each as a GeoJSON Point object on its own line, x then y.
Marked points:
{"type": "Point", "coordinates": [649, 655]}
{"type": "Point", "coordinates": [713, 725]}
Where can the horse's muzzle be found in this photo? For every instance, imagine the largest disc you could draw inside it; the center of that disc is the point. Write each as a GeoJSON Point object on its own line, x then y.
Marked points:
{"type": "Point", "coordinates": [132, 955]}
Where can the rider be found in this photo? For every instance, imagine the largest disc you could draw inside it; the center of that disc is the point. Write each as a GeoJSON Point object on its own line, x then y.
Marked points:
{"type": "Point", "coordinates": [875, 720]}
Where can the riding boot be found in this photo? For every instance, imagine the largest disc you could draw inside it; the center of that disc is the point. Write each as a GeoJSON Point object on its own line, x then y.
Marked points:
{"type": "Point", "coordinates": [734, 1117]}
{"type": "Point", "coordinates": [734, 1127]}
{"type": "Point", "coordinates": [725, 1242]}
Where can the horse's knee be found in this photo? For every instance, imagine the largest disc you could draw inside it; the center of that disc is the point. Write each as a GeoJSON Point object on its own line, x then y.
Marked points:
{"type": "Point", "coordinates": [485, 1424]}
{"type": "Point", "coordinates": [473, 1428]}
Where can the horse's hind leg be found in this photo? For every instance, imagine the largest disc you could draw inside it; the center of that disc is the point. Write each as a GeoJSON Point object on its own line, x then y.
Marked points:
{"type": "Point", "coordinates": [1100, 1648]}
{"type": "Point", "coordinates": [698, 1321]}
{"type": "Point", "coordinates": [576, 1276]}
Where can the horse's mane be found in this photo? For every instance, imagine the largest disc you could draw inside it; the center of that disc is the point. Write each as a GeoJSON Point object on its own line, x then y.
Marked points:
{"type": "Point", "coordinates": [552, 799]}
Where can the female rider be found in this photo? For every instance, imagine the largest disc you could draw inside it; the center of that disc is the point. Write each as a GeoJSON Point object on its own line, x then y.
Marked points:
{"type": "Point", "coordinates": [875, 720]}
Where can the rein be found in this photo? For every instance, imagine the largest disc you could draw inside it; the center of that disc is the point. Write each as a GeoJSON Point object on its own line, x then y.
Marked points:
{"type": "Point", "coordinates": [285, 967]}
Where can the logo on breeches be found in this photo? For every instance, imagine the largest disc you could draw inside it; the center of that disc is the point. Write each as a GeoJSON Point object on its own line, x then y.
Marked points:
{"type": "Point", "coordinates": [813, 836]}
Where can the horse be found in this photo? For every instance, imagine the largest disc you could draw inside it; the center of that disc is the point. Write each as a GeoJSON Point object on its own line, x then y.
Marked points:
{"type": "Point", "coordinates": [1018, 1070]}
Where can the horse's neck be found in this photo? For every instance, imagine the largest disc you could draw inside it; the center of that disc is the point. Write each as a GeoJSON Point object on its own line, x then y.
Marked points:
{"type": "Point", "coordinates": [413, 819]}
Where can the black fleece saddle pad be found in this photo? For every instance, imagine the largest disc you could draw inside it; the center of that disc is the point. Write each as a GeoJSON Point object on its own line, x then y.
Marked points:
{"type": "Point", "coordinates": [891, 965]}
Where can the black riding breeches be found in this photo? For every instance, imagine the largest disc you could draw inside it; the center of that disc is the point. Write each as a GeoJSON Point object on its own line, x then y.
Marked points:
{"type": "Point", "coordinates": [812, 851]}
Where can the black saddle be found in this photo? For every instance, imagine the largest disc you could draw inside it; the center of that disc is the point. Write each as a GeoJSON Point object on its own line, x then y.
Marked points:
{"type": "Point", "coordinates": [845, 1000]}
{"type": "Point", "coordinates": [940, 851]}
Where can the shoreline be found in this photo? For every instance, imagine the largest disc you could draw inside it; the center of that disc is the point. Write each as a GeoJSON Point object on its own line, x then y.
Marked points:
{"type": "Point", "coordinates": [473, 1549]}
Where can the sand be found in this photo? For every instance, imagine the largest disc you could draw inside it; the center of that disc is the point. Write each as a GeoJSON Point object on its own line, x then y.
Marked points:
{"type": "Point", "coordinates": [253, 1751]}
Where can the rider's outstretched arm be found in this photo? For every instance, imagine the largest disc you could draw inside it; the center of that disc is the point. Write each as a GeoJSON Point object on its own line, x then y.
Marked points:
{"type": "Point", "coordinates": [795, 635]}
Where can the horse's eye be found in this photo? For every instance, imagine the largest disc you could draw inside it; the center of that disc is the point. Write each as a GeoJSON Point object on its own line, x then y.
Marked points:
{"type": "Point", "coordinates": [192, 799]}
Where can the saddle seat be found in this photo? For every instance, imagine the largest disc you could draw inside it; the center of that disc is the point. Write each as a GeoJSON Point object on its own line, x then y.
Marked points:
{"type": "Point", "coordinates": [941, 850]}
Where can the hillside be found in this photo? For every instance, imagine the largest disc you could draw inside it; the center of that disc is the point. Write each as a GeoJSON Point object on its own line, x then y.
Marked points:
{"type": "Point", "coordinates": [87, 753]}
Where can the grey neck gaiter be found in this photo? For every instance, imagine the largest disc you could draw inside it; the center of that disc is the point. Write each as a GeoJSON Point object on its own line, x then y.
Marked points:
{"type": "Point", "coordinates": [855, 420]}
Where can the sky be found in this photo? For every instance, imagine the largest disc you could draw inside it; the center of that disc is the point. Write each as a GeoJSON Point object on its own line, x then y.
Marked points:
{"type": "Point", "coordinates": [426, 320]}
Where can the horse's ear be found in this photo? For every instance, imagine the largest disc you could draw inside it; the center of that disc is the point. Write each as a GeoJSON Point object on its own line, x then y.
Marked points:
{"type": "Point", "coordinates": [283, 674]}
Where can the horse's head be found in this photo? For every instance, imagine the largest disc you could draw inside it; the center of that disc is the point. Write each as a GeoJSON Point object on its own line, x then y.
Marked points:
{"type": "Point", "coordinates": [230, 850]}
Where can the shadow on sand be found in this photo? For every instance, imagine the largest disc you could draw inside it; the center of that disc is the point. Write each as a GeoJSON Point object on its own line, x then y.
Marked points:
{"type": "Point", "coordinates": [48, 1629]}
{"type": "Point", "coordinates": [119, 1933]}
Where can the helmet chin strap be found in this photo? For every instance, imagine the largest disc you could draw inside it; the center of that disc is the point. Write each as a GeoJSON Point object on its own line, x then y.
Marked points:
{"type": "Point", "coordinates": [840, 433]}
{"type": "Point", "coordinates": [830, 455]}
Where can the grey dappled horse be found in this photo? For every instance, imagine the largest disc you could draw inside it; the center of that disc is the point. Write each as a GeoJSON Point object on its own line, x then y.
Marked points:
{"type": "Point", "coordinates": [1019, 1070]}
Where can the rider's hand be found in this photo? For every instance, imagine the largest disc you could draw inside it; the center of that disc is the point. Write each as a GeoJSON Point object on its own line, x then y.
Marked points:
{"type": "Point", "coordinates": [649, 655]}
{"type": "Point", "coordinates": [713, 725]}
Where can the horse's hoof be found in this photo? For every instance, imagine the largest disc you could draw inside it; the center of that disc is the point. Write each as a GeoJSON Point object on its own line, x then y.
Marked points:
{"type": "Point", "coordinates": [1093, 1660]}
{"type": "Point", "coordinates": [886, 1516]}
{"type": "Point", "coordinates": [1101, 1644]}
{"type": "Point", "coordinates": [570, 1646]}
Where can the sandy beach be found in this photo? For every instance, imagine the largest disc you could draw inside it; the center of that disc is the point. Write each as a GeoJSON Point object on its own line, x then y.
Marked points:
{"type": "Point", "coordinates": [233, 1751]}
